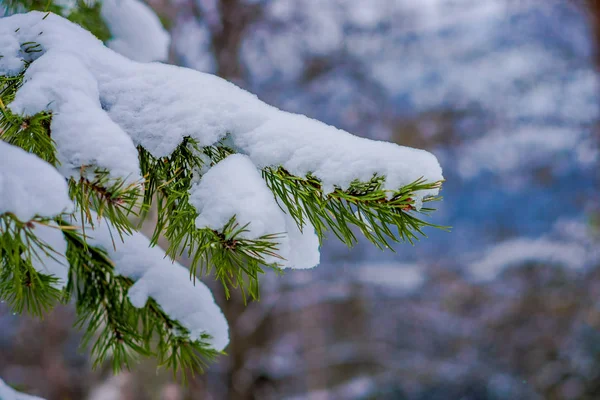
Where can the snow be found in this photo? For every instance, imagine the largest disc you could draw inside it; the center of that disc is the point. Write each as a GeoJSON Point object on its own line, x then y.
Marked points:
{"type": "Point", "coordinates": [303, 145]}
{"type": "Point", "coordinates": [51, 260]}
{"type": "Point", "coordinates": [304, 245]}
{"type": "Point", "coordinates": [158, 105]}
{"type": "Point", "coordinates": [29, 186]}
{"type": "Point", "coordinates": [84, 134]}
{"type": "Point", "coordinates": [234, 187]}
{"type": "Point", "coordinates": [136, 31]}
{"type": "Point", "coordinates": [8, 393]}
{"type": "Point", "coordinates": [11, 50]}
{"type": "Point", "coordinates": [168, 283]}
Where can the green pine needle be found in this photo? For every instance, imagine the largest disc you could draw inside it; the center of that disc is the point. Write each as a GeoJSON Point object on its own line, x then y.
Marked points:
{"type": "Point", "coordinates": [381, 215]}
{"type": "Point", "coordinates": [21, 285]}
{"type": "Point", "coordinates": [108, 197]}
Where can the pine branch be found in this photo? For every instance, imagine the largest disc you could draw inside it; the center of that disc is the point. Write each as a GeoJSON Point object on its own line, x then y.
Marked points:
{"type": "Point", "coordinates": [374, 210]}
{"type": "Point", "coordinates": [108, 197]}
{"type": "Point", "coordinates": [119, 331]}
{"type": "Point", "coordinates": [32, 134]}
{"type": "Point", "coordinates": [114, 328]}
{"type": "Point", "coordinates": [382, 216]}
{"type": "Point", "coordinates": [111, 198]}
{"type": "Point", "coordinates": [21, 285]}
{"type": "Point", "coordinates": [174, 348]}
{"type": "Point", "coordinates": [237, 261]}
{"type": "Point", "coordinates": [167, 182]}
{"type": "Point", "coordinates": [103, 312]}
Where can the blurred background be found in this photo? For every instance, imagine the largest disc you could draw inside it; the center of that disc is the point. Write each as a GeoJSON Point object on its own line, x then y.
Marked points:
{"type": "Point", "coordinates": [506, 94]}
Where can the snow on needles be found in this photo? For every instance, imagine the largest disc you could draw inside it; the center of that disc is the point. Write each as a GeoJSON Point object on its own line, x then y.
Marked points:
{"type": "Point", "coordinates": [104, 105]}
{"type": "Point", "coordinates": [168, 283]}
{"type": "Point", "coordinates": [157, 105]}
{"type": "Point", "coordinates": [29, 186]}
{"type": "Point", "coordinates": [234, 187]}
{"type": "Point", "coordinates": [51, 260]}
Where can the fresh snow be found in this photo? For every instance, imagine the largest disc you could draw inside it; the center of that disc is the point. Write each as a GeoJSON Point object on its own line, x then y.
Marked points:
{"type": "Point", "coordinates": [304, 245]}
{"type": "Point", "coordinates": [136, 31]}
{"type": "Point", "coordinates": [304, 145]}
{"type": "Point", "coordinates": [234, 187]}
{"type": "Point", "coordinates": [83, 132]}
{"type": "Point", "coordinates": [29, 186]}
{"type": "Point", "coordinates": [168, 283]}
{"type": "Point", "coordinates": [51, 260]}
{"type": "Point", "coordinates": [158, 105]}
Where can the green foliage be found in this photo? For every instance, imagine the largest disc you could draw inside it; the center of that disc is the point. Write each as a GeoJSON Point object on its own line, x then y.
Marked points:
{"type": "Point", "coordinates": [174, 348]}
{"type": "Point", "coordinates": [382, 216]}
{"type": "Point", "coordinates": [104, 312]}
{"type": "Point", "coordinates": [237, 262]}
{"type": "Point", "coordinates": [119, 331]}
{"type": "Point", "coordinates": [21, 285]}
{"type": "Point", "coordinates": [366, 205]}
{"type": "Point", "coordinates": [108, 197]}
{"type": "Point", "coordinates": [30, 133]}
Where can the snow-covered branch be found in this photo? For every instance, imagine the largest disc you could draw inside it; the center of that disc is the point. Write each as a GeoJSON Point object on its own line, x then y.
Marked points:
{"type": "Point", "coordinates": [238, 184]}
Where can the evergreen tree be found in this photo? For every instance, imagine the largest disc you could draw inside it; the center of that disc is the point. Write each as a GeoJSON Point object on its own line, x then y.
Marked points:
{"type": "Point", "coordinates": [92, 140]}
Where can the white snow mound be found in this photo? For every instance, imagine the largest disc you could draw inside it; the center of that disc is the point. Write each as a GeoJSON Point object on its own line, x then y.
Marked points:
{"type": "Point", "coordinates": [156, 106]}
{"type": "Point", "coordinates": [29, 186]}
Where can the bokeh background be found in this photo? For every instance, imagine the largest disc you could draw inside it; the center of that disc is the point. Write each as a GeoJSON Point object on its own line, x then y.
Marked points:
{"type": "Point", "coordinates": [506, 93]}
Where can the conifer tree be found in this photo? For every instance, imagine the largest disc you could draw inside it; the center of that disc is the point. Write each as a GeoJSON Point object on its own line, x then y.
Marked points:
{"type": "Point", "coordinates": [91, 139]}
